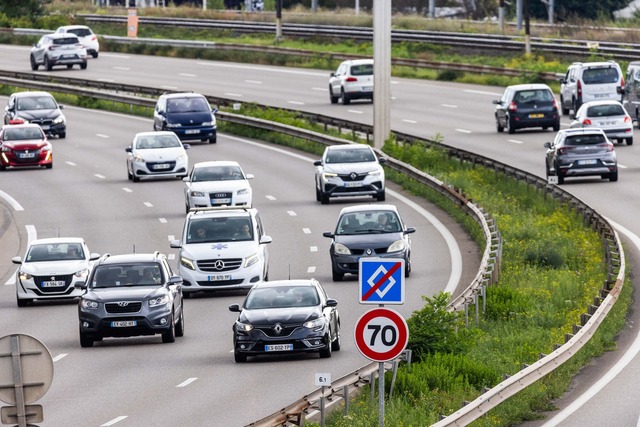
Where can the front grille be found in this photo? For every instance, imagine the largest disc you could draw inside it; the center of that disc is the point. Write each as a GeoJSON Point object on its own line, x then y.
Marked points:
{"type": "Point", "coordinates": [219, 265]}
{"type": "Point", "coordinates": [130, 307]}
{"type": "Point", "coordinates": [20, 159]}
{"type": "Point", "coordinates": [56, 289]}
{"type": "Point", "coordinates": [42, 122]}
{"type": "Point", "coordinates": [351, 177]}
{"type": "Point", "coordinates": [382, 250]}
{"type": "Point", "coordinates": [270, 332]}
{"type": "Point", "coordinates": [220, 283]}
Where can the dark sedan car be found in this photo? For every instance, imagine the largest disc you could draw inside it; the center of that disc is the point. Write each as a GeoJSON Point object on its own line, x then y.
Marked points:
{"type": "Point", "coordinates": [368, 231]}
{"type": "Point", "coordinates": [131, 295]}
{"type": "Point", "coordinates": [284, 317]}
{"type": "Point", "coordinates": [24, 145]}
{"type": "Point", "coordinates": [527, 106]}
{"type": "Point", "coordinates": [39, 108]}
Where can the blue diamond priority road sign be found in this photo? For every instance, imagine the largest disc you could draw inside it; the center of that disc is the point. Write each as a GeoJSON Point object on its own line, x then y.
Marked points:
{"type": "Point", "coordinates": [381, 281]}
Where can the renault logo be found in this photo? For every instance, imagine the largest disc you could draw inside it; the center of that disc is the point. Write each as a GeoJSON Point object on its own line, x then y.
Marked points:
{"type": "Point", "coordinates": [278, 328]}
{"type": "Point", "coordinates": [123, 303]}
{"type": "Point", "coordinates": [369, 251]}
{"type": "Point", "coordinates": [353, 175]}
{"type": "Point", "coordinates": [218, 265]}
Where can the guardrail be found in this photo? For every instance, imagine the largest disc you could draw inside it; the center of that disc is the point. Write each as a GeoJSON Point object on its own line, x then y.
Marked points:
{"type": "Point", "coordinates": [488, 272]}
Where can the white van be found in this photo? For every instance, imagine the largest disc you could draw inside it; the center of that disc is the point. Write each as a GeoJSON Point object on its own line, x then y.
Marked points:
{"type": "Point", "coordinates": [590, 81]}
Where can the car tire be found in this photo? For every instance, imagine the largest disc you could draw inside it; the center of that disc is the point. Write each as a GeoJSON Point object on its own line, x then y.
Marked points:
{"type": "Point", "coordinates": [499, 127]}
{"type": "Point", "coordinates": [129, 176]}
{"type": "Point", "coordinates": [83, 65]}
{"type": "Point", "coordinates": [510, 129]}
{"type": "Point", "coordinates": [3, 167]}
{"type": "Point", "coordinates": [345, 98]}
{"type": "Point", "coordinates": [34, 65]}
{"type": "Point", "coordinates": [337, 275]}
{"type": "Point", "coordinates": [407, 266]}
{"type": "Point", "coordinates": [135, 179]}
{"type": "Point", "coordinates": [170, 335]}
{"type": "Point", "coordinates": [186, 295]}
{"type": "Point", "coordinates": [85, 340]}
{"type": "Point", "coordinates": [95, 54]}
{"type": "Point", "coordinates": [629, 141]}
{"type": "Point", "coordinates": [564, 110]}
{"type": "Point", "coordinates": [332, 98]}
{"type": "Point", "coordinates": [69, 66]}
{"type": "Point", "coordinates": [325, 353]}
{"type": "Point", "coordinates": [556, 127]}
{"type": "Point", "coordinates": [213, 140]}
{"type": "Point", "coordinates": [47, 65]}
{"type": "Point", "coordinates": [22, 302]}
{"type": "Point", "coordinates": [180, 324]}
{"type": "Point", "coordinates": [317, 195]}
{"type": "Point", "coordinates": [324, 198]}
{"type": "Point", "coordinates": [381, 197]}
{"type": "Point", "coordinates": [336, 344]}
{"type": "Point", "coordinates": [240, 358]}
{"type": "Point", "coordinates": [186, 207]}
{"type": "Point", "coordinates": [560, 177]}
{"type": "Point", "coordinates": [49, 166]}
{"type": "Point", "coordinates": [62, 135]}
{"type": "Point", "coordinates": [613, 176]}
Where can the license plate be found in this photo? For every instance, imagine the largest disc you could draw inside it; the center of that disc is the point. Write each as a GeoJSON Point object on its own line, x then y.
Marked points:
{"type": "Point", "coordinates": [53, 283]}
{"type": "Point", "coordinates": [353, 184]}
{"type": "Point", "coordinates": [217, 277]}
{"type": "Point", "coordinates": [162, 166]}
{"type": "Point", "coordinates": [367, 89]}
{"type": "Point", "coordinates": [220, 201]}
{"type": "Point", "coordinates": [26, 155]}
{"type": "Point", "coordinates": [606, 123]}
{"type": "Point", "coordinates": [587, 162]}
{"type": "Point", "coordinates": [600, 95]}
{"type": "Point", "coordinates": [191, 131]}
{"type": "Point", "coordinates": [536, 116]}
{"type": "Point", "coordinates": [124, 324]}
{"type": "Point", "coordinates": [279, 347]}
{"type": "Point", "coordinates": [45, 127]}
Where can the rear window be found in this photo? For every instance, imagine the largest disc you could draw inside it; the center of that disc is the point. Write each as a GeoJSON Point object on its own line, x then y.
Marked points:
{"type": "Point", "coordinates": [600, 75]}
{"type": "Point", "coordinates": [606, 110]}
{"type": "Point", "coordinates": [578, 140]}
{"type": "Point", "coordinates": [534, 95]}
{"type": "Point", "coordinates": [362, 70]}
{"type": "Point", "coordinates": [81, 32]}
{"type": "Point", "coordinates": [66, 40]}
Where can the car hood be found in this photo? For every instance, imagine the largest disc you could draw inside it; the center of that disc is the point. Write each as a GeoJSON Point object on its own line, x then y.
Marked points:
{"type": "Point", "coordinates": [39, 114]}
{"type": "Point", "coordinates": [124, 293]}
{"type": "Point", "coordinates": [345, 168]}
{"type": "Point", "coordinates": [200, 251]}
{"type": "Point", "coordinates": [161, 154]}
{"type": "Point", "coordinates": [25, 144]}
{"type": "Point", "coordinates": [279, 315]}
{"type": "Point", "coordinates": [217, 186]}
{"type": "Point", "coordinates": [46, 268]}
{"type": "Point", "coordinates": [365, 241]}
{"type": "Point", "coordinates": [189, 118]}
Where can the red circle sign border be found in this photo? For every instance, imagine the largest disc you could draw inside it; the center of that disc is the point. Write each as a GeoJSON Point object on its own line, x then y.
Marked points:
{"type": "Point", "coordinates": [403, 334]}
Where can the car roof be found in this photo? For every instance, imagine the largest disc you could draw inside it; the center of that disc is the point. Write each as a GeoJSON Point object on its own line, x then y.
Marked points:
{"type": "Point", "coordinates": [31, 93]}
{"type": "Point", "coordinates": [74, 27]}
{"type": "Point", "coordinates": [368, 208]}
{"type": "Point", "coordinates": [529, 86]}
{"type": "Point", "coordinates": [56, 240]}
{"type": "Point", "coordinates": [22, 125]}
{"type": "Point", "coordinates": [221, 211]}
{"type": "Point", "coordinates": [582, 131]}
{"type": "Point", "coordinates": [350, 146]}
{"type": "Point", "coordinates": [211, 163]}
{"type": "Point", "coordinates": [62, 35]}
{"type": "Point", "coordinates": [155, 133]}
{"type": "Point", "coordinates": [359, 61]}
{"type": "Point", "coordinates": [127, 258]}
{"type": "Point", "coordinates": [286, 283]}
{"type": "Point", "coordinates": [183, 95]}
{"type": "Point", "coordinates": [599, 64]}
{"type": "Point", "coordinates": [603, 102]}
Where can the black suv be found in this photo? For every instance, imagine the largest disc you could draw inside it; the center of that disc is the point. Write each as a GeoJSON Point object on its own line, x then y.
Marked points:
{"type": "Point", "coordinates": [187, 114]}
{"type": "Point", "coordinates": [131, 295]}
{"type": "Point", "coordinates": [527, 106]}
{"type": "Point", "coordinates": [40, 108]}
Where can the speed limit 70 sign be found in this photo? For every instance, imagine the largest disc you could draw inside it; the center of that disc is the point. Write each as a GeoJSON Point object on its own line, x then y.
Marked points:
{"type": "Point", "coordinates": [381, 334]}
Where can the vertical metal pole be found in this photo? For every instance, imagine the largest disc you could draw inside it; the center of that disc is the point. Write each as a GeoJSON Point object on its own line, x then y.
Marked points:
{"type": "Point", "coordinates": [381, 71]}
{"type": "Point", "coordinates": [519, 14]}
{"type": "Point", "coordinates": [432, 9]}
{"type": "Point", "coordinates": [278, 20]}
{"type": "Point", "coordinates": [17, 381]}
{"type": "Point", "coordinates": [345, 393]}
{"type": "Point", "coordinates": [527, 32]}
{"type": "Point", "coordinates": [322, 408]}
{"type": "Point", "coordinates": [204, 4]}
{"type": "Point", "coordinates": [314, 6]}
{"type": "Point", "coordinates": [357, 7]}
{"type": "Point", "coordinates": [551, 6]}
{"type": "Point", "coordinates": [501, 16]}
{"type": "Point", "coordinates": [381, 394]}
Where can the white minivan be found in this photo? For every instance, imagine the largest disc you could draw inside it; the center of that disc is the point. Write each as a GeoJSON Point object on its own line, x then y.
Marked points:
{"type": "Point", "coordinates": [590, 81]}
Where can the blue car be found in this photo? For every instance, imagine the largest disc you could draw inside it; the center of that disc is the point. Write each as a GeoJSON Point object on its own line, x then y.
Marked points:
{"type": "Point", "coordinates": [188, 115]}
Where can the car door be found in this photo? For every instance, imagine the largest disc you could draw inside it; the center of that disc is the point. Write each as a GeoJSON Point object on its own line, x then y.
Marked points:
{"type": "Point", "coordinates": [159, 114]}
{"type": "Point", "coordinates": [501, 108]}
{"type": "Point", "coordinates": [566, 88]}
{"type": "Point", "coordinates": [336, 80]}
{"type": "Point", "coordinates": [10, 109]}
{"type": "Point", "coordinates": [39, 49]}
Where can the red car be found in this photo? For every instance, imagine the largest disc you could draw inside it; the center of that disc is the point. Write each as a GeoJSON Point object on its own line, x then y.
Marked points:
{"type": "Point", "coordinates": [24, 145]}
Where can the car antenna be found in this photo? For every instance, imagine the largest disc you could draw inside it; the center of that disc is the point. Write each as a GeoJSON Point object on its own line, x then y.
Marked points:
{"type": "Point", "coordinates": [289, 271]}
{"type": "Point", "coordinates": [134, 248]}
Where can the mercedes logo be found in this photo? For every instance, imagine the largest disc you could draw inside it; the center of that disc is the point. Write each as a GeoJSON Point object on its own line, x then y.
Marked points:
{"type": "Point", "coordinates": [278, 328]}
{"type": "Point", "coordinates": [369, 251]}
{"type": "Point", "coordinates": [353, 176]}
{"type": "Point", "coordinates": [218, 265]}
{"type": "Point", "coordinates": [123, 303]}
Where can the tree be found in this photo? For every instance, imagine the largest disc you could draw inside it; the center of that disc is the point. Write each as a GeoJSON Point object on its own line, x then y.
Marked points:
{"type": "Point", "coordinates": [21, 8]}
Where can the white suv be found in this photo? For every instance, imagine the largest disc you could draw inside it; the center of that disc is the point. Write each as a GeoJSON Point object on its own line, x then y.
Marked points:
{"type": "Point", "coordinates": [352, 80]}
{"type": "Point", "coordinates": [58, 49]}
{"type": "Point", "coordinates": [590, 81]}
{"type": "Point", "coordinates": [222, 248]}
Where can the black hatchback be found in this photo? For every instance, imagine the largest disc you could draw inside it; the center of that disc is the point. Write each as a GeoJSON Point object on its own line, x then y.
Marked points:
{"type": "Point", "coordinates": [527, 106]}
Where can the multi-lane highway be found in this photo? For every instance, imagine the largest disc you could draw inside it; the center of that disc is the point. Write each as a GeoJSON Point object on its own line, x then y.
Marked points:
{"type": "Point", "coordinates": [194, 381]}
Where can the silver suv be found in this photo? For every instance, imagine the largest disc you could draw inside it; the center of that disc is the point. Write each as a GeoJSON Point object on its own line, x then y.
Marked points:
{"type": "Point", "coordinates": [590, 81]}
{"type": "Point", "coordinates": [352, 80]}
{"type": "Point", "coordinates": [58, 49]}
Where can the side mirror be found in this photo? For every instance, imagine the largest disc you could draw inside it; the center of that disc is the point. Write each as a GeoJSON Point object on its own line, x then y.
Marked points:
{"type": "Point", "coordinates": [547, 145]}
{"type": "Point", "coordinates": [128, 149]}
{"type": "Point", "coordinates": [250, 176]}
{"type": "Point", "coordinates": [332, 74]}
{"type": "Point", "coordinates": [186, 146]}
{"type": "Point", "coordinates": [620, 90]}
{"type": "Point", "coordinates": [562, 81]}
{"type": "Point", "coordinates": [16, 260]}
{"type": "Point", "coordinates": [497, 102]}
{"type": "Point", "coordinates": [61, 107]}
{"type": "Point", "coordinates": [265, 239]}
{"type": "Point", "coordinates": [328, 234]}
{"type": "Point", "coordinates": [93, 256]}
{"type": "Point", "coordinates": [317, 163]}
{"type": "Point", "coordinates": [410, 230]}
{"type": "Point", "coordinates": [175, 280]}
{"type": "Point", "coordinates": [176, 244]}
{"type": "Point", "coordinates": [185, 179]}
{"type": "Point", "coordinates": [214, 110]}
{"type": "Point", "coordinates": [80, 285]}
{"type": "Point", "coordinates": [382, 160]}
{"type": "Point", "coordinates": [331, 302]}
{"type": "Point", "coordinates": [234, 308]}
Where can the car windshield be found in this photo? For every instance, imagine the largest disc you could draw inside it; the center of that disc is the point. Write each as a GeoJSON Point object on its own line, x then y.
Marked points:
{"type": "Point", "coordinates": [217, 173]}
{"type": "Point", "coordinates": [368, 222]}
{"type": "Point", "coordinates": [282, 297]}
{"type": "Point", "coordinates": [218, 230]}
{"type": "Point", "coordinates": [187, 105]}
{"type": "Point", "coordinates": [138, 274]}
{"type": "Point", "coordinates": [21, 134]}
{"type": "Point", "coordinates": [606, 110]}
{"type": "Point", "coordinates": [600, 75]}
{"type": "Point", "coordinates": [362, 70]}
{"type": "Point", "coordinates": [356, 155]}
{"type": "Point", "coordinates": [55, 252]}
{"type": "Point", "coordinates": [157, 141]}
{"type": "Point", "coordinates": [36, 103]}
{"type": "Point", "coordinates": [579, 140]}
{"type": "Point", "coordinates": [536, 95]}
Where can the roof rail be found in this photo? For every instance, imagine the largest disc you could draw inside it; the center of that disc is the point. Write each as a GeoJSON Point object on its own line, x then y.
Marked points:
{"type": "Point", "coordinates": [219, 208]}
{"type": "Point", "coordinates": [104, 256]}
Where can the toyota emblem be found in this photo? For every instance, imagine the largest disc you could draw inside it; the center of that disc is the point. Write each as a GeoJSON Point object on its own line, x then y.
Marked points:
{"type": "Point", "coordinates": [278, 328]}
{"type": "Point", "coordinates": [218, 265]}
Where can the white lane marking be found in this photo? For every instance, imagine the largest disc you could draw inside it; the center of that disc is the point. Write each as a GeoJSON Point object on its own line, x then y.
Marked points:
{"type": "Point", "coordinates": [463, 130]}
{"type": "Point", "coordinates": [237, 95]}
{"type": "Point", "coordinates": [13, 202]}
{"type": "Point", "coordinates": [115, 55]}
{"type": "Point", "coordinates": [171, 237]}
{"type": "Point", "coordinates": [187, 75]}
{"type": "Point", "coordinates": [257, 82]}
{"type": "Point", "coordinates": [413, 122]}
{"type": "Point", "coordinates": [269, 197]}
{"type": "Point", "coordinates": [311, 270]}
{"type": "Point", "coordinates": [449, 105]}
{"type": "Point", "coordinates": [306, 231]}
{"type": "Point", "coordinates": [631, 353]}
{"type": "Point", "coordinates": [97, 175]}
{"type": "Point", "coordinates": [32, 234]}
{"type": "Point", "coordinates": [101, 135]}
{"type": "Point", "coordinates": [113, 421]}
{"type": "Point", "coordinates": [356, 111]}
{"type": "Point", "coordinates": [515, 141]}
{"type": "Point", "coordinates": [452, 245]}
{"type": "Point", "coordinates": [292, 213]}
{"type": "Point", "coordinates": [395, 82]}
{"type": "Point", "coordinates": [321, 89]}
{"type": "Point", "coordinates": [171, 257]}
{"type": "Point", "coordinates": [621, 166]}
{"type": "Point", "coordinates": [268, 69]}
{"type": "Point", "coordinates": [71, 163]}
{"type": "Point", "coordinates": [58, 357]}
{"type": "Point", "coordinates": [313, 249]}
{"type": "Point", "coordinates": [162, 220]}
{"type": "Point", "coordinates": [127, 190]}
{"type": "Point", "coordinates": [186, 382]}
{"type": "Point", "coordinates": [148, 204]}
{"type": "Point", "coordinates": [295, 102]}
{"type": "Point", "coordinates": [122, 68]}
{"type": "Point", "coordinates": [482, 92]}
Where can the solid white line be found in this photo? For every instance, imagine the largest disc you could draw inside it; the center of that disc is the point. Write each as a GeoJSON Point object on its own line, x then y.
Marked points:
{"type": "Point", "coordinates": [186, 382]}
{"type": "Point", "coordinates": [169, 87]}
{"type": "Point", "coordinates": [313, 248]}
{"type": "Point", "coordinates": [321, 89]}
{"type": "Point", "coordinates": [101, 135]}
{"type": "Point", "coordinates": [13, 202]}
{"type": "Point", "coordinates": [237, 95]}
{"type": "Point", "coordinates": [621, 166]}
{"type": "Point", "coordinates": [122, 68]}
{"type": "Point", "coordinates": [70, 163]}
{"type": "Point", "coordinates": [187, 75]}
{"type": "Point", "coordinates": [413, 122]}
{"type": "Point", "coordinates": [58, 357]}
{"type": "Point", "coordinates": [296, 102]}
{"type": "Point", "coordinates": [257, 82]}
{"type": "Point", "coordinates": [106, 80]}
{"type": "Point", "coordinates": [631, 353]}
{"type": "Point", "coordinates": [113, 421]}
{"type": "Point", "coordinates": [449, 105]}
{"type": "Point", "coordinates": [463, 130]}
{"type": "Point", "coordinates": [311, 270]}
{"type": "Point", "coordinates": [292, 213]}
{"type": "Point", "coordinates": [254, 68]}
{"type": "Point", "coordinates": [306, 231]}
{"type": "Point", "coordinates": [482, 92]}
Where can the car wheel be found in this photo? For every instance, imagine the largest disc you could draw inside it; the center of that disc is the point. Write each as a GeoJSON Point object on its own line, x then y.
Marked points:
{"type": "Point", "coordinates": [180, 324]}
{"type": "Point", "coordinates": [129, 176]}
{"type": "Point", "coordinates": [325, 353]}
{"type": "Point", "coordinates": [22, 302]}
{"type": "Point", "coordinates": [186, 295]}
{"type": "Point", "coordinates": [69, 66]}
{"type": "Point", "coordinates": [560, 177]}
{"type": "Point", "coordinates": [317, 195]}
{"type": "Point", "coordinates": [95, 54]}
{"type": "Point", "coordinates": [83, 65]}
{"type": "Point", "coordinates": [345, 98]}
{"type": "Point", "coordinates": [509, 126]}
{"type": "Point", "coordinates": [170, 335]}
{"type": "Point", "coordinates": [3, 167]}
{"type": "Point", "coordinates": [337, 275]}
{"type": "Point", "coordinates": [336, 344]}
{"type": "Point", "coordinates": [34, 66]}
{"type": "Point", "coordinates": [324, 198]}
{"type": "Point", "coordinates": [135, 178]}
{"type": "Point", "coordinates": [556, 126]}
{"type": "Point", "coordinates": [47, 64]}
{"type": "Point", "coordinates": [186, 207]}
{"type": "Point", "coordinates": [240, 358]}
{"type": "Point", "coordinates": [575, 106]}
{"type": "Point", "coordinates": [629, 141]}
{"type": "Point", "coordinates": [49, 166]}
{"type": "Point", "coordinates": [407, 266]}
{"type": "Point", "coordinates": [85, 340]}
{"type": "Point", "coordinates": [213, 140]}
{"type": "Point", "coordinates": [565, 111]}
{"type": "Point", "coordinates": [499, 127]}
{"type": "Point", "coordinates": [62, 135]}
{"type": "Point", "coordinates": [613, 176]}
{"type": "Point", "coordinates": [381, 197]}
{"type": "Point", "coordinates": [332, 98]}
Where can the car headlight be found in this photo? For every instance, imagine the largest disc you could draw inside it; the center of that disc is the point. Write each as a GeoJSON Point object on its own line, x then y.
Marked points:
{"type": "Point", "coordinates": [327, 175]}
{"type": "Point", "coordinates": [161, 300]}
{"type": "Point", "coordinates": [89, 304]}
{"type": "Point", "coordinates": [188, 263]}
{"type": "Point", "coordinates": [181, 156]}
{"type": "Point", "coordinates": [397, 246]}
{"type": "Point", "coordinates": [196, 193]}
{"type": "Point", "coordinates": [243, 191]}
{"type": "Point", "coordinates": [243, 327]}
{"type": "Point", "coordinates": [376, 172]}
{"type": "Point", "coordinates": [250, 260]}
{"type": "Point", "coordinates": [341, 249]}
{"type": "Point", "coordinates": [58, 120]}
{"type": "Point", "coordinates": [24, 276]}
{"type": "Point", "coordinates": [174, 125]}
{"type": "Point", "coordinates": [5, 149]}
{"type": "Point", "coordinates": [138, 158]}
{"type": "Point", "coordinates": [82, 273]}
{"type": "Point", "coordinates": [315, 324]}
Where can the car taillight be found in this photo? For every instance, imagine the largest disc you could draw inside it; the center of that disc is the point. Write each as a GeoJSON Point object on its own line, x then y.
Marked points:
{"type": "Point", "coordinates": [586, 122]}
{"type": "Point", "coordinates": [579, 87]}
{"type": "Point", "coordinates": [627, 119]}
{"type": "Point", "coordinates": [607, 146]}
{"type": "Point", "coordinates": [555, 105]}
{"type": "Point", "coordinates": [52, 47]}
{"type": "Point", "coordinates": [351, 79]}
{"type": "Point", "coordinates": [622, 83]}
{"type": "Point", "coordinates": [564, 150]}
{"type": "Point", "coordinates": [513, 107]}
{"type": "Point", "coordinates": [17, 121]}
{"type": "Point", "coordinates": [93, 38]}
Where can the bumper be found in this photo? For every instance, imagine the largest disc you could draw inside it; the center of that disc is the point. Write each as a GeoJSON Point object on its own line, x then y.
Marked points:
{"type": "Point", "coordinates": [527, 122]}
{"type": "Point", "coordinates": [207, 201]}
{"type": "Point", "coordinates": [351, 263]}
{"type": "Point", "coordinates": [177, 170]}
{"type": "Point", "coordinates": [9, 160]}
{"type": "Point", "coordinates": [196, 133]}
{"type": "Point", "coordinates": [98, 323]}
{"type": "Point", "coordinates": [339, 188]}
{"type": "Point", "coordinates": [300, 341]}
{"type": "Point", "coordinates": [242, 278]}
{"type": "Point", "coordinates": [619, 133]}
{"type": "Point", "coordinates": [28, 290]}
